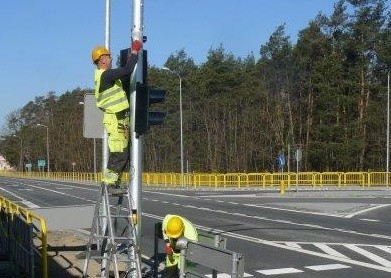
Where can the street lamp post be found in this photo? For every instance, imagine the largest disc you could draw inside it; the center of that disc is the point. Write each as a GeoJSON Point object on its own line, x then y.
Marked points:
{"type": "Point", "coordinates": [47, 144]}
{"type": "Point", "coordinates": [388, 128]}
{"type": "Point", "coordinates": [180, 116]}
{"type": "Point", "coordinates": [21, 153]}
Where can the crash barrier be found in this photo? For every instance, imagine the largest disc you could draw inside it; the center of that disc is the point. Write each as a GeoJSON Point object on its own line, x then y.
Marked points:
{"type": "Point", "coordinates": [23, 237]}
{"type": "Point", "coordinates": [229, 180]}
{"type": "Point", "coordinates": [208, 239]}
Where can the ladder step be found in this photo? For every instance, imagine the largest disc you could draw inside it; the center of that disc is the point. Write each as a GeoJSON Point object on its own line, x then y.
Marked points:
{"type": "Point", "coordinates": [117, 191]}
{"type": "Point", "coordinates": [107, 258]}
{"type": "Point", "coordinates": [115, 237]}
{"type": "Point", "coordinates": [121, 256]}
{"type": "Point", "coordinates": [121, 216]}
{"type": "Point", "coordinates": [115, 216]}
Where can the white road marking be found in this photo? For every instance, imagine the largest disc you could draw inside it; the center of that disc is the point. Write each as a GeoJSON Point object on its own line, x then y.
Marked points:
{"type": "Point", "coordinates": [225, 275]}
{"type": "Point", "coordinates": [92, 188]}
{"type": "Point", "coordinates": [22, 200]}
{"type": "Point", "coordinates": [59, 192]}
{"type": "Point", "coordinates": [327, 267]}
{"type": "Point", "coordinates": [384, 248]}
{"type": "Point", "coordinates": [369, 255]}
{"type": "Point", "coordinates": [366, 210]}
{"type": "Point", "coordinates": [30, 204]}
{"type": "Point", "coordinates": [328, 250]}
{"type": "Point", "coordinates": [294, 210]}
{"type": "Point", "coordinates": [293, 245]}
{"type": "Point", "coordinates": [239, 214]}
{"type": "Point", "coordinates": [278, 271]}
{"type": "Point", "coordinates": [370, 220]}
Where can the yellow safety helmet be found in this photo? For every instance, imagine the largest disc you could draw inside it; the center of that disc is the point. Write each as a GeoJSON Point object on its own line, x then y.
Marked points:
{"type": "Point", "coordinates": [99, 51]}
{"type": "Point", "coordinates": [175, 227]}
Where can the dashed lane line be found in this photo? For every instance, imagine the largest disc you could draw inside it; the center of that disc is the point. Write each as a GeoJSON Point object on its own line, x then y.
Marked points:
{"type": "Point", "coordinates": [61, 193]}
{"type": "Point", "coordinates": [370, 220]}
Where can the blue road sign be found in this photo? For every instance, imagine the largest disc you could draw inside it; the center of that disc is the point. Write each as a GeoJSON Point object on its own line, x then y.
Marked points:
{"type": "Point", "coordinates": [281, 160]}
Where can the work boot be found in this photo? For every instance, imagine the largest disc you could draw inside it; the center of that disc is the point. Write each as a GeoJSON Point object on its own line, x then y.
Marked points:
{"type": "Point", "coordinates": [110, 178]}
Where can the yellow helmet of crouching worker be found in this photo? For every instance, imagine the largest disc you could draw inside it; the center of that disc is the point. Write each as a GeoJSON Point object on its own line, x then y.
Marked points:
{"type": "Point", "coordinates": [99, 51]}
{"type": "Point", "coordinates": [175, 227]}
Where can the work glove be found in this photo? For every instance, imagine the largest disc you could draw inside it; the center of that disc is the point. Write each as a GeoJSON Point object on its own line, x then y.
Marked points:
{"type": "Point", "coordinates": [169, 250]}
{"type": "Point", "coordinates": [136, 46]}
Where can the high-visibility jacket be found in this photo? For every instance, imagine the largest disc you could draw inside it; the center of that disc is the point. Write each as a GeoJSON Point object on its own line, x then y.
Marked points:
{"type": "Point", "coordinates": [189, 232]}
{"type": "Point", "coordinates": [111, 100]}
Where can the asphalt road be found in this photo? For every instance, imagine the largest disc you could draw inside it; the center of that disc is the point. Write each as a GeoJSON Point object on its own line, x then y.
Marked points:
{"type": "Point", "coordinates": [309, 233]}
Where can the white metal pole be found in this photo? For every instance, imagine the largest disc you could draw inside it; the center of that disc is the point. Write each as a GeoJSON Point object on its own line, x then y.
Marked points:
{"type": "Point", "coordinates": [137, 141]}
{"type": "Point", "coordinates": [95, 159]}
{"type": "Point", "coordinates": [21, 155]}
{"type": "Point", "coordinates": [105, 148]}
{"type": "Point", "coordinates": [181, 119]}
{"type": "Point", "coordinates": [289, 158]}
{"type": "Point", "coordinates": [388, 126]}
{"type": "Point", "coordinates": [47, 147]}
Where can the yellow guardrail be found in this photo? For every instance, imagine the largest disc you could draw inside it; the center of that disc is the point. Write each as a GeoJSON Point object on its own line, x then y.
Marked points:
{"type": "Point", "coordinates": [38, 222]}
{"type": "Point", "coordinates": [266, 180]}
{"type": "Point", "coordinates": [229, 180]}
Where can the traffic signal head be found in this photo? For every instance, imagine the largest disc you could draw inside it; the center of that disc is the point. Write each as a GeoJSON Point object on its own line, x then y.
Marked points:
{"type": "Point", "coordinates": [144, 116]}
{"type": "Point", "coordinates": [145, 97]}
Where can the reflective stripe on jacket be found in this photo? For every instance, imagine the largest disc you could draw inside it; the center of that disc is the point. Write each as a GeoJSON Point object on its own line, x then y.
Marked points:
{"type": "Point", "coordinates": [112, 100]}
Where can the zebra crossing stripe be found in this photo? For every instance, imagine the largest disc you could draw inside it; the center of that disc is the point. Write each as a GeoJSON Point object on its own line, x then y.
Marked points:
{"type": "Point", "coordinates": [384, 248]}
{"type": "Point", "coordinates": [369, 255]}
{"type": "Point", "coordinates": [278, 271]}
{"type": "Point", "coordinates": [225, 275]}
{"type": "Point", "coordinates": [328, 250]}
{"type": "Point", "coordinates": [327, 267]}
{"type": "Point", "coordinates": [293, 244]}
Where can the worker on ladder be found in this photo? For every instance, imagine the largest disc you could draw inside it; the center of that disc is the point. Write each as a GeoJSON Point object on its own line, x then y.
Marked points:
{"type": "Point", "coordinates": [174, 227]}
{"type": "Point", "coordinates": [113, 101]}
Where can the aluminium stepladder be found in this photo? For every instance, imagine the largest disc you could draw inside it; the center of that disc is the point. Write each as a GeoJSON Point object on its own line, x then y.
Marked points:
{"type": "Point", "coordinates": [115, 235]}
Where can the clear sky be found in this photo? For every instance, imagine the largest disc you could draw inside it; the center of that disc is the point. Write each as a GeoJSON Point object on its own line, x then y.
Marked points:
{"type": "Point", "coordinates": [46, 44]}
